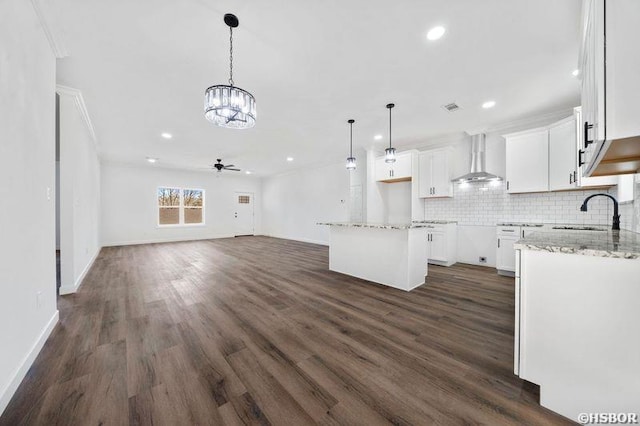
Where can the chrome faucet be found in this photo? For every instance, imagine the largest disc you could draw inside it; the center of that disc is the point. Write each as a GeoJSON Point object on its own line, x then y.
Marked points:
{"type": "Point", "coordinates": [616, 216]}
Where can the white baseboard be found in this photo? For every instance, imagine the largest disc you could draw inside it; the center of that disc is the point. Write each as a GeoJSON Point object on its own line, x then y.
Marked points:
{"type": "Point", "coordinates": [162, 240]}
{"type": "Point", "coordinates": [302, 240]}
{"type": "Point", "coordinates": [10, 389]}
{"type": "Point", "coordinates": [67, 289]}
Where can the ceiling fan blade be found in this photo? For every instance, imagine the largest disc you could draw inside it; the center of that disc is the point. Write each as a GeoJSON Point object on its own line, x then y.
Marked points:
{"type": "Point", "coordinates": [229, 165]}
{"type": "Point", "coordinates": [234, 170]}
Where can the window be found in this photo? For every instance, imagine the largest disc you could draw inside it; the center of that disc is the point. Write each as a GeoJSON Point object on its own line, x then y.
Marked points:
{"type": "Point", "coordinates": [178, 206]}
{"type": "Point", "coordinates": [243, 199]}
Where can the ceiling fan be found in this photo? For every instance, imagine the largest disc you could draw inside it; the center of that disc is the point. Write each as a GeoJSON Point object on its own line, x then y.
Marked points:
{"type": "Point", "coordinates": [220, 167]}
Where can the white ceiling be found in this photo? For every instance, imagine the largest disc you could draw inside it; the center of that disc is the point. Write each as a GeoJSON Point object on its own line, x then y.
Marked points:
{"type": "Point", "coordinates": [143, 67]}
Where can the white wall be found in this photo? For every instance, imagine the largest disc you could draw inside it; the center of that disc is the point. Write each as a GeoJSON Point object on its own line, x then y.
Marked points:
{"type": "Point", "coordinates": [27, 180]}
{"type": "Point", "coordinates": [79, 194]}
{"type": "Point", "coordinates": [294, 202]}
{"type": "Point", "coordinates": [129, 203]}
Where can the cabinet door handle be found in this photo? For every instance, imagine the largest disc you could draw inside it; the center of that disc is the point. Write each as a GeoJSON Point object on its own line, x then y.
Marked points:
{"type": "Point", "coordinates": [498, 242]}
{"type": "Point", "coordinates": [580, 154]}
{"type": "Point", "coordinates": [507, 185]}
{"type": "Point", "coordinates": [575, 177]}
{"type": "Point", "coordinates": [434, 190]}
{"type": "Point", "coordinates": [523, 233]}
{"type": "Point", "coordinates": [587, 126]}
{"type": "Point", "coordinates": [570, 178]}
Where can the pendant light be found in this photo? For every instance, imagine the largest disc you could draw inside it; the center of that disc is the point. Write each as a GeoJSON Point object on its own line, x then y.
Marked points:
{"type": "Point", "coordinates": [228, 105]}
{"type": "Point", "coordinates": [390, 153]}
{"type": "Point", "coordinates": [351, 160]}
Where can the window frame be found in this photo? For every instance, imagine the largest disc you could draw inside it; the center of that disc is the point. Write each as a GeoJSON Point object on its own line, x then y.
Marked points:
{"type": "Point", "coordinates": [181, 207]}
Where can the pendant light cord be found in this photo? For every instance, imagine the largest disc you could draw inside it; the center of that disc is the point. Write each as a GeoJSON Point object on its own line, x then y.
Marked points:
{"type": "Point", "coordinates": [230, 56]}
{"type": "Point", "coordinates": [389, 127]}
{"type": "Point", "coordinates": [351, 140]}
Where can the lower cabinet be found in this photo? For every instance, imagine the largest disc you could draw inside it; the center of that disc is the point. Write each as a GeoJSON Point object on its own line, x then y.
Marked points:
{"type": "Point", "coordinates": [442, 244]}
{"type": "Point", "coordinates": [505, 255]}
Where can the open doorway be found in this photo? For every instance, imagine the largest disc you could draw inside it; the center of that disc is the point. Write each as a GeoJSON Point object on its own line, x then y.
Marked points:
{"type": "Point", "coordinates": [244, 214]}
{"type": "Point", "coordinates": [57, 197]}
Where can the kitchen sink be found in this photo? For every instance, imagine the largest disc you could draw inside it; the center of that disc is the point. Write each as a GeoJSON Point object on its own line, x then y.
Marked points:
{"type": "Point", "coordinates": [579, 228]}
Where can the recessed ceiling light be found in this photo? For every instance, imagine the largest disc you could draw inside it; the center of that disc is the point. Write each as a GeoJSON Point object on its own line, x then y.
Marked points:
{"type": "Point", "coordinates": [166, 135]}
{"type": "Point", "coordinates": [489, 104]}
{"type": "Point", "coordinates": [575, 73]}
{"type": "Point", "coordinates": [377, 137]}
{"type": "Point", "coordinates": [248, 172]}
{"type": "Point", "coordinates": [289, 158]}
{"type": "Point", "coordinates": [151, 159]}
{"type": "Point", "coordinates": [435, 33]}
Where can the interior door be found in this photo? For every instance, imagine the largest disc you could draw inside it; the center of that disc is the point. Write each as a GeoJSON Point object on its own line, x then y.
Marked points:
{"type": "Point", "coordinates": [244, 213]}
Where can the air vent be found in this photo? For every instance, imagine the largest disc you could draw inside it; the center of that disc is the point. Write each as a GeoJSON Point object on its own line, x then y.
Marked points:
{"type": "Point", "coordinates": [451, 107]}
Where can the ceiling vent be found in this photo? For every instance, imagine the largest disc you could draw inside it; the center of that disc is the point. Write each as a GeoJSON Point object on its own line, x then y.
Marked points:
{"type": "Point", "coordinates": [451, 107]}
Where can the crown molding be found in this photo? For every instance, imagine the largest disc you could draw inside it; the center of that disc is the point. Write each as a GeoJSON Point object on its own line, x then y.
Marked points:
{"type": "Point", "coordinates": [523, 123]}
{"type": "Point", "coordinates": [50, 27]}
{"type": "Point", "coordinates": [82, 109]}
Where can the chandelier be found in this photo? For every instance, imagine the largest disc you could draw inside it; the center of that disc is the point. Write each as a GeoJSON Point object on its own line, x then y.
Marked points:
{"type": "Point", "coordinates": [351, 160]}
{"type": "Point", "coordinates": [228, 105]}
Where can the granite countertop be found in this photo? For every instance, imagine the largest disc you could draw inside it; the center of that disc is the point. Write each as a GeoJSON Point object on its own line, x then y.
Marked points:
{"type": "Point", "coordinates": [376, 225]}
{"type": "Point", "coordinates": [538, 225]}
{"type": "Point", "coordinates": [616, 244]}
{"type": "Point", "coordinates": [435, 222]}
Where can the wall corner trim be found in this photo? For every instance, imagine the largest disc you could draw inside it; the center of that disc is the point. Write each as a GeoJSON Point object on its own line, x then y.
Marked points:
{"type": "Point", "coordinates": [50, 27]}
{"type": "Point", "coordinates": [82, 108]}
{"type": "Point", "coordinates": [7, 393]}
{"type": "Point", "coordinates": [72, 289]}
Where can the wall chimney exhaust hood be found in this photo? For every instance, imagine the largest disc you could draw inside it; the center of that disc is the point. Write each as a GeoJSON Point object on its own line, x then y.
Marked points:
{"type": "Point", "coordinates": [478, 163]}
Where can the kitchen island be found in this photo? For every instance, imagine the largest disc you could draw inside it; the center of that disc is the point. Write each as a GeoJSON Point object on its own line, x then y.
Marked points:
{"type": "Point", "coordinates": [577, 319]}
{"type": "Point", "coordinates": [391, 254]}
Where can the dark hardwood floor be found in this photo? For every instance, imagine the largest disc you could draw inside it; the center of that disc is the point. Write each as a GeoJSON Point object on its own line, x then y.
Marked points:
{"type": "Point", "coordinates": [256, 330]}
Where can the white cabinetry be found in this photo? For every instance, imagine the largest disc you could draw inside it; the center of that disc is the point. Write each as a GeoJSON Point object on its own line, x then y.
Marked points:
{"type": "Point", "coordinates": [442, 244]}
{"type": "Point", "coordinates": [527, 160]}
{"type": "Point", "coordinates": [505, 255]}
{"type": "Point", "coordinates": [400, 170]}
{"type": "Point", "coordinates": [562, 155]}
{"type": "Point", "coordinates": [610, 87]}
{"type": "Point", "coordinates": [435, 174]}
{"type": "Point", "coordinates": [587, 182]}
{"type": "Point", "coordinates": [546, 159]}
{"type": "Point", "coordinates": [564, 303]}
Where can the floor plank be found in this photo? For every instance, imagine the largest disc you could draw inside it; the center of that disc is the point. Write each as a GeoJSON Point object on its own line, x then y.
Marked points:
{"type": "Point", "coordinates": [258, 331]}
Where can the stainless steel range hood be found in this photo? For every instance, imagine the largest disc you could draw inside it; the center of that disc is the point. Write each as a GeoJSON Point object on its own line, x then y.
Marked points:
{"type": "Point", "coordinates": [478, 162]}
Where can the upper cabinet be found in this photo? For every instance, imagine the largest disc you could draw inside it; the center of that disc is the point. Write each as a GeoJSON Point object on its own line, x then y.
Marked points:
{"type": "Point", "coordinates": [546, 159]}
{"type": "Point", "coordinates": [563, 170]}
{"type": "Point", "coordinates": [527, 157]}
{"type": "Point", "coordinates": [610, 86]}
{"type": "Point", "coordinates": [398, 171]}
{"type": "Point", "coordinates": [435, 174]}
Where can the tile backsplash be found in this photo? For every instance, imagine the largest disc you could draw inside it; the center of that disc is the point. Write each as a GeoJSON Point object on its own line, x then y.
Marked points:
{"type": "Point", "coordinates": [630, 211]}
{"type": "Point", "coordinates": [485, 204]}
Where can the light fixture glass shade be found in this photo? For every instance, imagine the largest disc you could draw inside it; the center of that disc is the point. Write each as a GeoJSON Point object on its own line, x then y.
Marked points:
{"type": "Point", "coordinates": [351, 163]}
{"type": "Point", "coordinates": [390, 155]}
{"type": "Point", "coordinates": [230, 106]}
